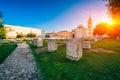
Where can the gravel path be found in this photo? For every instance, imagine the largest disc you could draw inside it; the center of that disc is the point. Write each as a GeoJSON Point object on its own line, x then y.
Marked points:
{"type": "Point", "coordinates": [20, 65]}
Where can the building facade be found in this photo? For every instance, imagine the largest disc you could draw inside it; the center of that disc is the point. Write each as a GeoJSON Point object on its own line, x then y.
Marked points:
{"type": "Point", "coordinates": [79, 32]}
{"type": "Point", "coordinates": [13, 31]}
{"type": "Point", "coordinates": [64, 34]}
{"type": "Point", "coordinates": [50, 34]}
{"type": "Point", "coordinates": [82, 32]}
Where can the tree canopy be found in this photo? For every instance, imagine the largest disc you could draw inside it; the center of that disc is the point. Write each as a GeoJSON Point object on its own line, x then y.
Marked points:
{"type": "Point", "coordinates": [1, 22]}
{"type": "Point", "coordinates": [21, 35]}
{"type": "Point", "coordinates": [2, 30]}
{"type": "Point", "coordinates": [114, 9]}
{"type": "Point", "coordinates": [104, 28]}
{"type": "Point", "coordinates": [31, 35]}
{"type": "Point", "coordinates": [100, 29]}
{"type": "Point", "coordinates": [114, 12]}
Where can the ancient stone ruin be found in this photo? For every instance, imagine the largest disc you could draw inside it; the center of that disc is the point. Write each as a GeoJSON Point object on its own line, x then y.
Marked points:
{"type": "Point", "coordinates": [86, 45]}
{"type": "Point", "coordinates": [74, 49]}
{"type": "Point", "coordinates": [52, 46]}
{"type": "Point", "coordinates": [38, 42]}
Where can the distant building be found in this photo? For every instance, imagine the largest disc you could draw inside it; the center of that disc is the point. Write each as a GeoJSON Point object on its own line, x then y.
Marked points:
{"type": "Point", "coordinates": [82, 32]}
{"type": "Point", "coordinates": [13, 31]}
{"type": "Point", "coordinates": [64, 34]}
{"type": "Point", "coordinates": [50, 34]}
{"type": "Point", "coordinates": [90, 29]}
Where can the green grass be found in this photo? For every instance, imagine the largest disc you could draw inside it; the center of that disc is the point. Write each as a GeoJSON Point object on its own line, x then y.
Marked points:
{"type": "Point", "coordinates": [108, 44]}
{"type": "Point", "coordinates": [60, 41]}
{"type": "Point", "coordinates": [92, 65]}
{"type": "Point", "coordinates": [5, 50]}
{"type": "Point", "coordinates": [44, 43]}
{"type": "Point", "coordinates": [5, 41]}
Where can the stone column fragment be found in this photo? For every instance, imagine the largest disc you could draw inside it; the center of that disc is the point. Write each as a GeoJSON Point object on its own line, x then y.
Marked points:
{"type": "Point", "coordinates": [86, 45]}
{"type": "Point", "coordinates": [95, 39]}
{"type": "Point", "coordinates": [52, 46]}
{"type": "Point", "coordinates": [74, 49]}
{"type": "Point", "coordinates": [38, 42]}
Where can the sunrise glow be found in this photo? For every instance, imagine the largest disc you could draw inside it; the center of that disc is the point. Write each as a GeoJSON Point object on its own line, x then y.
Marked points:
{"type": "Point", "coordinates": [108, 21]}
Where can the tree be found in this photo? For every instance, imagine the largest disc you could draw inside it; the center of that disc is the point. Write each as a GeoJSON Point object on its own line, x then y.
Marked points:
{"type": "Point", "coordinates": [2, 30]}
{"type": "Point", "coordinates": [20, 35]}
{"type": "Point", "coordinates": [2, 33]}
{"type": "Point", "coordinates": [114, 9]}
{"type": "Point", "coordinates": [31, 35]}
{"type": "Point", "coordinates": [100, 29]}
{"type": "Point", "coordinates": [114, 12]}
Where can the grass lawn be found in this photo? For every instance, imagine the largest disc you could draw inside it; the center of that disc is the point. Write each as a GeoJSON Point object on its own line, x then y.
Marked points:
{"type": "Point", "coordinates": [5, 41]}
{"type": "Point", "coordinates": [5, 50]}
{"type": "Point", "coordinates": [92, 65]}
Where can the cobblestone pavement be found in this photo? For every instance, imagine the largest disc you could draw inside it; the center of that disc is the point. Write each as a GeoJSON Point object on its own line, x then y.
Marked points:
{"type": "Point", "coordinates": [20, 65]}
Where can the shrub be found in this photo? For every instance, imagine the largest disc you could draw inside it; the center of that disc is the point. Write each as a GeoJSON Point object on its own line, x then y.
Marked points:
{"type": "Point", "coordinates": [2, 33]}
{"type": "Point", "coordinates": [20, 35]}
{"type": "Point", "coordinates": [31, 35]}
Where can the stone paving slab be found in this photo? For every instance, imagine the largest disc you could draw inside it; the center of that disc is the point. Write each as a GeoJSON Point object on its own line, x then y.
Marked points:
{"type": "Point", "coordinates": [20, 65]}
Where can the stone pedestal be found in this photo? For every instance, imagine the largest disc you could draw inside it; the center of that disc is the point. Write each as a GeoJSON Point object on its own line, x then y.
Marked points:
{"type": "Point", "coordinates": [74, 49]}
{"type": "Point", "coordinates": [117, 37]}
{"type": "Point", "coordinates": [30, 41]}
{"type": "Point", "coordinates": [95, 39]}
{"type": "Point", "coordinates": [38, 42]}
{"type": "Point", "coordinates": [86, 45]}
{"type": "Point", "coordinates": [52, 46]}
{"type": "Point", "coordinates": [35, 42]}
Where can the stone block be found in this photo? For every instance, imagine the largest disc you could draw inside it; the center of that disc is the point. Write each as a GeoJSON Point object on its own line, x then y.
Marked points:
{"type": "Point", "coordinates": [30, 41]}
{"type": "Point", "coordinates": [35, 42]}
{"type": "Point", "coordinates": [74, 49]}
{"type": "Point", "coordinates": [117, 37]}
{"type": "Point", "coordinates": [95, 39]}
{"type": "Point", "coordinates": [52, 46]}
{"type": "Point", "coordinates": [86, 45]}
{"type": "Point", "coordinates": [38, 42]}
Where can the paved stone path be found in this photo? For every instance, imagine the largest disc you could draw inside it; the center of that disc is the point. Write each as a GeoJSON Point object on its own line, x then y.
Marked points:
{"type": "Point", "coordinates": [20, 65]}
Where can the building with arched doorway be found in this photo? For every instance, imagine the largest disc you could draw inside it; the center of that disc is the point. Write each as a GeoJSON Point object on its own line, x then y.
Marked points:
{"type": "Point", "coordinates": [82, 32]}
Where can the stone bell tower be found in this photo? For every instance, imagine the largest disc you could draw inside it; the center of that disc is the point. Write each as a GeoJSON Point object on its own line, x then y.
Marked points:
{"type": "Point", "coordinates": [89, 24]}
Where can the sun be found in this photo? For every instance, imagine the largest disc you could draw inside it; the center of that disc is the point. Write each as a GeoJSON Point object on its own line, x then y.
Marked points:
{"type": "Point", "coordinates": [110, 22]}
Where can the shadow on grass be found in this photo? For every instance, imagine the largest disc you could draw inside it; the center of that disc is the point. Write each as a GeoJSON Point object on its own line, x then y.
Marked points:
{"type": "Point", "coordinates": [5, 51]}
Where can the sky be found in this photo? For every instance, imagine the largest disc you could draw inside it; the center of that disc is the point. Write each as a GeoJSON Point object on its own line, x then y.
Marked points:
{"type": "Point", "coordinates": [53, 15]}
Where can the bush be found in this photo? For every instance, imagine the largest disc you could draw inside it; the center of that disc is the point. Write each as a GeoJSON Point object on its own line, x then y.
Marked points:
{"type": "Point", "coordinates": [2, 33]}
{"type": "Point", "coordinates": [31, 35]}
{"type": "Point", "coordinates": [20, 35]}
